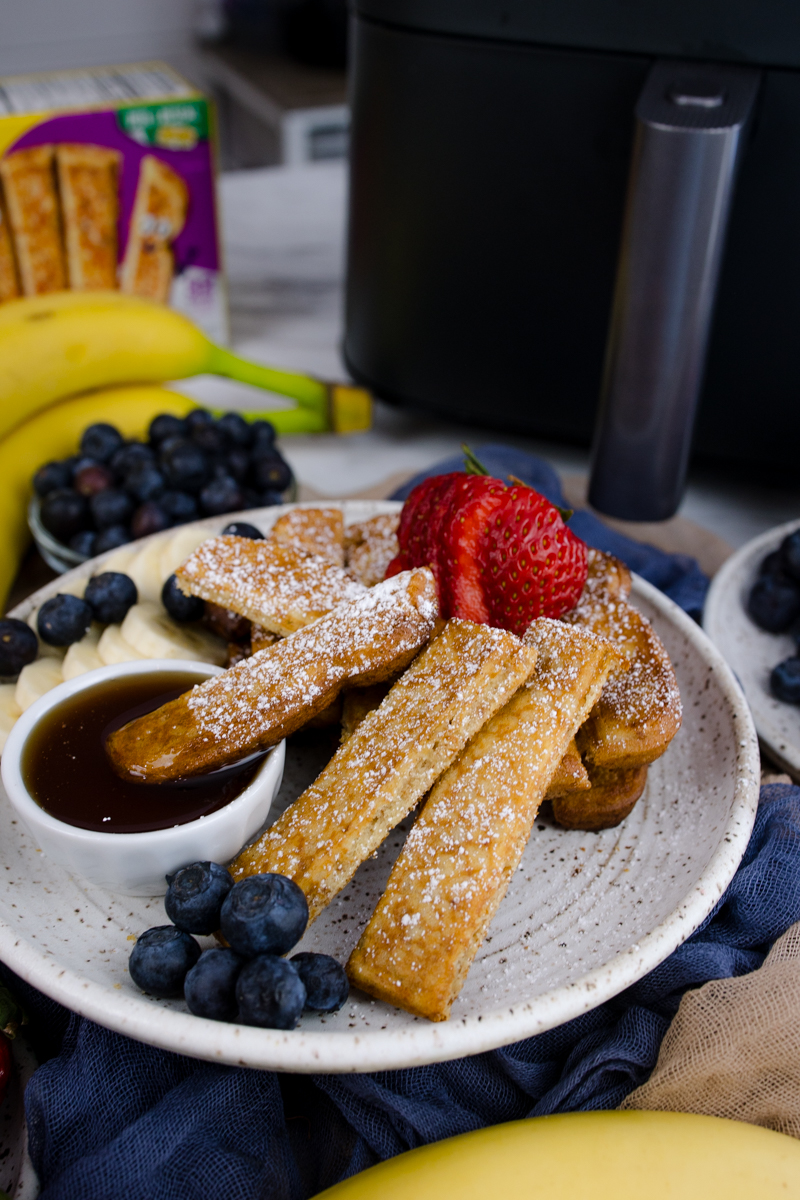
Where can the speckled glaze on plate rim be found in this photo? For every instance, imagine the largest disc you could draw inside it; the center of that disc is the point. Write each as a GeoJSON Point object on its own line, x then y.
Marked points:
{"type": "Point", "coordinates": [310, 1051]}
{"type": "Point", "coordinates": [749, 650]}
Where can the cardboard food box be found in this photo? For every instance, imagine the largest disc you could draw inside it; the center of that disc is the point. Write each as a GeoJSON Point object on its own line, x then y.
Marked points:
{"type": "Point", "coordinates": [107, 180]}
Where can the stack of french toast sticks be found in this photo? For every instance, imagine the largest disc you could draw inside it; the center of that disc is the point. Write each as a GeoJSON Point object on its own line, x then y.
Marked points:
{"type": "Point", "coordinates": [470, 724]}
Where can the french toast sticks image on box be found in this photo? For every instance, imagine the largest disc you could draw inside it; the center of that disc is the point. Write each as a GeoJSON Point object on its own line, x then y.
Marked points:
{"type": "Point", "coordinates": [159, 215]}
{"type": "Point", "coordinates": [467, 842]}
{"type": "Point", "coordinates": [88, 183]}
{"type": "Point", "coordinates": [31, 196]}
{"type": "Point", "coordinates": [9, 280]}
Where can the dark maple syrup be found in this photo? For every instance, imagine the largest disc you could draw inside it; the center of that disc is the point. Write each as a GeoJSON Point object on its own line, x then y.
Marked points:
{"type": "Point", "coordinates": [66, 770]}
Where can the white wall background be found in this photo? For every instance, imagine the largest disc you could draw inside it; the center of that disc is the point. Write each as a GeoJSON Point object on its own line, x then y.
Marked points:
{"type": "Point", "coordinates": [43, 35]}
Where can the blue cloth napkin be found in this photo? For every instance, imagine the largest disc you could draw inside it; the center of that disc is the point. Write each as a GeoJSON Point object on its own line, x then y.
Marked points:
{"type": "Point", "coordinates": [110, 1118]}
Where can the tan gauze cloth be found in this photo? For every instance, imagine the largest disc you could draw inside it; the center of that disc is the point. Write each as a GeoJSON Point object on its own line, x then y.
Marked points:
{"type": "Point", "coordinates": [733, 1049]}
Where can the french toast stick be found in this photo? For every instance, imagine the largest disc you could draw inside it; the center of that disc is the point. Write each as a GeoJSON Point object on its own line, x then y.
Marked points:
{"type": "Point", "coordinates": [639, 711]}
{"type": "Point", "coordinates": [610, 798]}
{"type": "Point", "coordinates": [31, 196]}
{"type": "Point", "coordinates": [570, 775]}
{"type": "Point", "coordinates": [606, 577]}
{"type": "Point", "coordinates": [315, 530]}
{"type": "Point", "coordinates": [266, 697]}
{"type": "Point", "coordinates": [278, 587]}
{"type": "Point", "coordinates": [370, 546]}
{"type": "Point", "coordinates": [88, 181]}
{"type": "Point", "coordinates": [466, 843]}
{"type": "Point", "coordinates": [395, 755]}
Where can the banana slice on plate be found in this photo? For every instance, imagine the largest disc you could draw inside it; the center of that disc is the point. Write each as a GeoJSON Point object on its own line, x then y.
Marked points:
{"type": "Point", "coordinates": [180, 545]}
{"type": "Point", "coordinates": [113, 647]}
{"type": "Point", "coordinates": [120, 559]}
{"type": "Point", "coordinates": [9, 711]}
{"type": "Point", "coordinates": [155, 635]}
{"type": "Point", "coordinates": [36, 679]}
{"type": "Point", "coordinates": [145, 570]}
{"type": "Point", "coordinates": [83, 656]}
{"type": "Point", "coordinates": [45, 650]}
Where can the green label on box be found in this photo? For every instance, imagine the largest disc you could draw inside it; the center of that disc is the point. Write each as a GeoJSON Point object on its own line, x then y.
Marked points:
{"type": "Point", "coordinates": [179, 125]}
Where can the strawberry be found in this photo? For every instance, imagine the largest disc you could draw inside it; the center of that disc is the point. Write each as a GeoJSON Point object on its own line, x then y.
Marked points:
{"type": "Point", "coordinates": [534, 565]}
{"type": "Point", "coordinates": [462, 544]}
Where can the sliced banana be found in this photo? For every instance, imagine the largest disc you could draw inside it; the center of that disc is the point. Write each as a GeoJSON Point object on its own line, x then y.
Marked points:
{"type": "Point", "coordinates": [120, 559]}
{"type": "Point", "coordinates": [36, 679]}
{"type": "Point", "coordinates": [179, 546]}
{"type": "Point", "coordinates": [45, 650]}
{"type": "Point", "coordinates": [9, 711]}
{"type": "Point", "coordinates": [113, 648]}
{"type": "Point", "coordinates": [145, 570]}
{"type": "Point", "coordinates": [156, 635]}
{"type": "Point", "coordinates": [83, 656]}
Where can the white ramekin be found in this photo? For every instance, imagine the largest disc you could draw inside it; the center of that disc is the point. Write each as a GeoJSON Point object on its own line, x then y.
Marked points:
{"type": "Point", "coordinates": [136, 864]}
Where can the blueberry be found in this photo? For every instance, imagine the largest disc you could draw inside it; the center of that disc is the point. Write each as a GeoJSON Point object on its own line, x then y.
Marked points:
{"type": "Point", "coordinates": [81, 462]}
{"type": "Point", "coordinates": [270, 993]}
{"type": "Point", "coordinates": [144, 482]}
{"type": "Point", "coordinates": [63, 620]}
{"type": "Point", "coordinates": [18, 646]}
{"type": "Point", "coordinates": [211, 439]}
{"type": "Point", "coordinates": [83, 543]}
{"type": "Point", "coordinates": [326, 984]}
{"type": "Point", "coordinates": [264, 914]}
{"type": "Point", "coordinates": [237, 463]}
{"type": "Point", "coordinates": [100, 442]}
{"type": "Point", "coordinates": [179, 507]}
{"type": "Point", "coordinates": [198, 418]}
{"type": "Point", "coordinates": [262, 435]}
{"type": "Point", "coordinates": [109, 596]}
{"type": "Point", "coordinates": [790, 555]}
{"type": "Point", "coordinates": [236, 429]}
{"type": "Point", "coordinates": [784, 681]}
{"type": "Point", "coordinates": [110, 538]}
{"type": "Point", "coordinates": [270, 498]}
{"type": "Point", "coordinates": [64, 513]}
{"type": "Point", "coordinates": [149, 518]}
{"type": "Point", "coordinates": [185, 467]}
{"type": "Point", "coordinates": [221, 496]}
{"type": "Point", "coordinates": [180, 607]}
{"type": "Point", "coordinates": [112, 507]}
{"type": "Point", "coordinates": [772, 564]}
{"type": "Point", "coordinates": [270, 471]}
{"type": "Point", "coordinates": [774, 603]}
{"type": "Point", "coordinates": [252, 499]}
{"type": "Point", "coordinates": [226, 624]}
{"type": "Point", "coordinates": [51, 476]}
{"type": "Point", "coordinates": [242, 529]}
{"type": "Point", "coordinates": [194, 896]}
{"type": "Point", "coordinates": [165, 426]}
{"type": "Point", "coordinates": [91, 480]}
{"type": "Point", "coordinates": [131, 455]}
{"type": "Point", "coordinates": [210, 986]}
{"type": "Point", "coordinates": [160, 960]}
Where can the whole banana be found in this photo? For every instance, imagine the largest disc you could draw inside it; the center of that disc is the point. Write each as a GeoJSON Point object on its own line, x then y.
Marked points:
{"type": "Point", "coordinates": [55, 433]}
{"type": "Point", "coordinates": [64, 343]}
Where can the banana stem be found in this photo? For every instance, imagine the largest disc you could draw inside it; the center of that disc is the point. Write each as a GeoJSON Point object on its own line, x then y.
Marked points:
{"type": "Point", "coordinates": [308, 392]}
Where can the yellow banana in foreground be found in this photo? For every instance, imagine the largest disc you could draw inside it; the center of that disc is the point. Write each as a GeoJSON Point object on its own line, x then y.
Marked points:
{"type": "Point", "coordinates": [591, 1156]}
{"type": "Point", "coordinates": [55, 433]}
{"type": "Point", "coordinates": [64, 343]}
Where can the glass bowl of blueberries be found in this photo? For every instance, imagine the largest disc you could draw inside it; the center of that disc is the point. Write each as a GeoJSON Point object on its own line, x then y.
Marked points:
{"type": "Point", "coordinates": [116, 490]}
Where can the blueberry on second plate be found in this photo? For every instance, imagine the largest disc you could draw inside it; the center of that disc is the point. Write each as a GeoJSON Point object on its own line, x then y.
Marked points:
{"type": "Point", "coordinates": [179, 606]}
{"type": "Point", "coordinates": [270, 993]}
{"type": "Point", "coordinates": [221, 496]}
{"type": "Point", "coordinates": [101, 441]}
{"type": "Point", "coordinates": [242, 529]}
{"type": "Point", "coordinates": [64, 513]}
{"type": "Point", "coordinates": [774, 603]}
{"type": "Point", "coordinates": [784, 681]}
{"type": "Point", "coordinates": [326, 983]}
{"type": "Point", "coordinates": [185, 466]}
{"type": "Point", "coordinates": [129, 456]}
{"type": "Point", "coordinates": [790, 554]}
{"type": "Point", "coordinates": [160, 960]}
{"type": "Point", "coordinates": [63, 620]}
{"type": "Point", "coordinates": [110, 538]}
{"type": "Point", "coordinates": [112, 507]}
{"type": "Point", "coordinates": [264, 914]}
{"type": "Point", "coordinates": [83, 543]}
{"type": "Point", "coordinates": [144, 482]}
{"type": "Point", "coordinates": [235, 428]}
{"type": "Point", "coordinates": [109, 596]}
{"type": "Point", "coordinates": [271, 472]}
{"type": "Point", "coordinates": [195, 895]}
{"type": "Point", "coordinates": [164, 426]}
{"type": "Point", "coordinates": [18, 646]}
{"type": "Point", "coordinates": [262, 435]}
{"type": "Point", "coordinates": [179, 507]}
{"type": "Point", "coordinates": [210, 986]}
{"type": "Point", "coordinates": [51, 476]}
{"type": "Point", "coordinates": [149, 518]}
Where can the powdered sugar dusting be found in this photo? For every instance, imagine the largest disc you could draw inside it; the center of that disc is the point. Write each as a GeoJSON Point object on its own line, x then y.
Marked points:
{"type": "Point", "coordinates": [317, 531]}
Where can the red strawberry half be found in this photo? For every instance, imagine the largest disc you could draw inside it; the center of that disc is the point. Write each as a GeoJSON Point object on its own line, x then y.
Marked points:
{"type": "Point", "coordinates": [534, 565]}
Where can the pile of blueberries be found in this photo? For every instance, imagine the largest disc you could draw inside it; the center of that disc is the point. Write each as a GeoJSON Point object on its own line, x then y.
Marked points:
{"type": "Point", "coordinates": [261, 918]}
{"type": "Point", "coordinates": [774, 605]}
{"type": "Point", "coordinates": [115, 490]}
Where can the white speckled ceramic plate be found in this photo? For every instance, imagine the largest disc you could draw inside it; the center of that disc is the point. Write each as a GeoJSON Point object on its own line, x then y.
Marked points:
{"type": "Point", "coordinates": [751, 652]}
{"type": "Point", "coordinates": [585, 916]}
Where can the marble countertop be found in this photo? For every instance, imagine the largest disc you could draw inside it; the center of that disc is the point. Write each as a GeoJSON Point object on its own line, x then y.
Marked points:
{"type": "Point", "coordinates": [283, 234]}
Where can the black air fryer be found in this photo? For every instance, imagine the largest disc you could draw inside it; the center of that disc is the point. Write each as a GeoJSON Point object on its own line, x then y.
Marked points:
{"type": "Point", "coordinates": [565, 208]}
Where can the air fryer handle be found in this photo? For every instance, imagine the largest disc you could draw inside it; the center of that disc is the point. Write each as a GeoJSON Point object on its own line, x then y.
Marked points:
{"type": "Point", "coordinates": [689, 124]}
